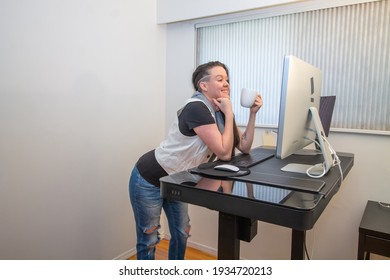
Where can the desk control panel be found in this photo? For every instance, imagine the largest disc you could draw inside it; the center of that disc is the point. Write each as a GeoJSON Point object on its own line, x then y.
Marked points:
{"type": "Point", "coordinates": [174, 192]}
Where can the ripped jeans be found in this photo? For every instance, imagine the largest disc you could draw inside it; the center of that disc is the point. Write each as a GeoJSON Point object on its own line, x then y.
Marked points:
{"type": "Point", "coordinates": [147, 203]}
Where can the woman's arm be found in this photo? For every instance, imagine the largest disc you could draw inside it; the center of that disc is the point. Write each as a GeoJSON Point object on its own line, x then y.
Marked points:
{"type": "Point", "coordinates": [220, 144]}
{"type": "Point", "coordinates": [246, 138]}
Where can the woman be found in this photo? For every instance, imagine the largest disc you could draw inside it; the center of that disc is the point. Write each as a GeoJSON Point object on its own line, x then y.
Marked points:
{"type": "Point", "coordinates": [204, 127]}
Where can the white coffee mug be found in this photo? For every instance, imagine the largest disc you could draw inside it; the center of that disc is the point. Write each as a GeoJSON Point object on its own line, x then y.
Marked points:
{"type": "Point", "coordinates": [248, 97]}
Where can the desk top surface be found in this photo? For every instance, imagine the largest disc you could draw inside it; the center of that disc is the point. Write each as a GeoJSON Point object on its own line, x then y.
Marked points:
{"type": "Point", "coordinates": [263, 190]}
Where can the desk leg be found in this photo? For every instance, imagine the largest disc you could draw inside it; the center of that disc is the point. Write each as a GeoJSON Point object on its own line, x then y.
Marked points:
{"type": "Point", "coordinates": [298, 244]}
{"type": "Point", "coordinates": [228, 242]}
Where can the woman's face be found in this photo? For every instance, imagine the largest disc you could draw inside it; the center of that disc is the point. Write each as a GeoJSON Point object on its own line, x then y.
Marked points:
{"type": "Point", "coordinates": [218, 84]}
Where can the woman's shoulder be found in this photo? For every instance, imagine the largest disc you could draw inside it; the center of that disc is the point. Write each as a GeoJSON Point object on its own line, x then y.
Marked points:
{"type": "Point", "coordinates": [196, 105]}
{"type": "Point", "coordinates": [196, 110]}
{"type": "Point", "coordinates": [194, 114]}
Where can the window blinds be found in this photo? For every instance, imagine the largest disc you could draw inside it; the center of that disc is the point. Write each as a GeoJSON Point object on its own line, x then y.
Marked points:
{"type": "Point", "coordinates": [350, 44]}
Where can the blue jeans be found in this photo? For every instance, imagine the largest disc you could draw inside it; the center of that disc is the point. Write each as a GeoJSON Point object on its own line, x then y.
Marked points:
{"type": "Point", "coordinates": [147, 203]}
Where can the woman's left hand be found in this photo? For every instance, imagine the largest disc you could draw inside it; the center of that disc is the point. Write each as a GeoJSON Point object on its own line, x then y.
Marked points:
{"type": "Point", "coordinates": [257, 104]}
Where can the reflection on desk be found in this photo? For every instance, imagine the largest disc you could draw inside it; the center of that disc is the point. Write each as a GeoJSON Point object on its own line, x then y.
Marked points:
{"type": "Point", "coordinates": [258, 192]}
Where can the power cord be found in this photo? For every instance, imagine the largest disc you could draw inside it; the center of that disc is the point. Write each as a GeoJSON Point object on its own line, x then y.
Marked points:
{"type": "Point", "coordinates": [309, 257]}
{"type": "Point", "coordinates": [336, 159]}
{"type": "Point", "coordinates": [336, 162]}
{"type": "Point", "coordinates": [384, 204]}
{"type": "Point", "coordinates": [307, 254]}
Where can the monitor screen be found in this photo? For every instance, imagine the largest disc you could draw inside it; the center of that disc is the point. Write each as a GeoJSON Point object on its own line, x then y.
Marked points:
{"type": "Point", "coordinates": [299, 121]}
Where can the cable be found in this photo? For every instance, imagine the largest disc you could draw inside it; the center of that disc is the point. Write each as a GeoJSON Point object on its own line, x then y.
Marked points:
{"type": "Point", "coordinates": [336, 159]}
{"type": "Point", "coordinates": [321, 165]}
{"type": "Point", "coordinates": [313, 245]}
{"type": "Point", "coordinates": [315, 166]}
{"type": "Point", "coordinates": [384, 204]}
{"type": "Point", "coordinates": [336, 162]}
{"type": "Point", "coordinates": [307, 254]}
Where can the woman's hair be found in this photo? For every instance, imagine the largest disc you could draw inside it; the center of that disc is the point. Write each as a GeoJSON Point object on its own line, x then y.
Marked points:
{"type": "Point", "coordinates": [201, 73]}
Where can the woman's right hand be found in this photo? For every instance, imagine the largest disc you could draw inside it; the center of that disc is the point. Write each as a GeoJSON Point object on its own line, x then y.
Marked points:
{"type": "Point", "coordinates": [224, 105]}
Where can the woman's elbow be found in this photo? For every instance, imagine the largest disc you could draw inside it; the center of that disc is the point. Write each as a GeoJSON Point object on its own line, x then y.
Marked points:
{"type": "Point", "coordinates": [224, 157]}
{"type": "Point", "coordinates": [246, 149]}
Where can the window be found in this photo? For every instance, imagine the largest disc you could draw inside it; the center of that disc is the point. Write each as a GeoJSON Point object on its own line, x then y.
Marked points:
{"type": "Point", "coordinates": [350, 44]}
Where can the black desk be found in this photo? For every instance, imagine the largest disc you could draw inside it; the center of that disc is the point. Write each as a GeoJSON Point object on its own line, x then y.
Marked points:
{"type": "Point", "coordinates": [242, 201]}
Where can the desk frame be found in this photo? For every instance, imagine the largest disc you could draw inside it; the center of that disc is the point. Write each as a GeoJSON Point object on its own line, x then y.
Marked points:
{"type": "Point", "coordinates": [229, 227]}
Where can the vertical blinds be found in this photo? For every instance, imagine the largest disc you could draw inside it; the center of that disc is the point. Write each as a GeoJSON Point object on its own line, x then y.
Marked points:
{"type": "Point", "coordinates": [350, 44]}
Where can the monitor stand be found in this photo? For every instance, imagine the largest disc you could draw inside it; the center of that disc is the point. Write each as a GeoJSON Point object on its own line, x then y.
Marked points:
{"type": "Point", "coordinates": [308, 152]}
{"type": "Point", "coordinates": [324, 150]}
{"type": "Point", "coordinates": [302, 168]}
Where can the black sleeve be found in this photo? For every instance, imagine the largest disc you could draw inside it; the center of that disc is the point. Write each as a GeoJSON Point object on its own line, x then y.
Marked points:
{"type": "Point", "coordinates": [194, 114]}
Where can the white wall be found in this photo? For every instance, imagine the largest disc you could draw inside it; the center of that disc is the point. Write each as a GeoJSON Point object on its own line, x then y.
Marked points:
{"type": "Point", "coordinates": [178, 10]}
{"type": "Point", "coordinates": [169, 11]}
{"type": "Point", "coordinates": [81, 97]}
{"type": "Point", "coordinates": [335, 235]}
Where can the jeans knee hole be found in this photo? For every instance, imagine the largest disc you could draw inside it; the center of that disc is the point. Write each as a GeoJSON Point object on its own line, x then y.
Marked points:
{"type": "Point", "coordinates": [188, 228]}
{"type": "Point", "coordinates": [151, 229]}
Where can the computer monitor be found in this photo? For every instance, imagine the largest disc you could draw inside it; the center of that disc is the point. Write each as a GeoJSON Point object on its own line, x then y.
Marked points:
{"type": "Point", "coordinates": [299, 121]}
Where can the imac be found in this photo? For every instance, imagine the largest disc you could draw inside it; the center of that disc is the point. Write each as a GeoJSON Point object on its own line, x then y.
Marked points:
{"type": "Point", "coordinates": [299, 121]}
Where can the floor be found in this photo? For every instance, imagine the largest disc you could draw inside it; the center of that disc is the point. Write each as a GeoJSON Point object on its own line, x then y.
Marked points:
{"type": "Point", "coordinates": [191, 253]}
